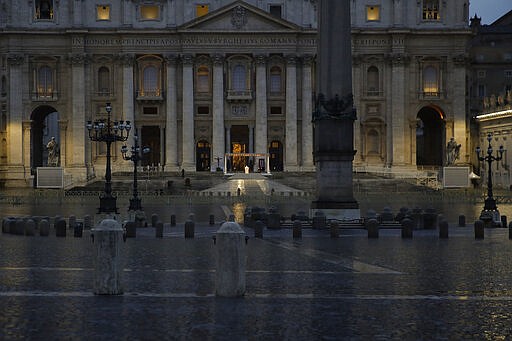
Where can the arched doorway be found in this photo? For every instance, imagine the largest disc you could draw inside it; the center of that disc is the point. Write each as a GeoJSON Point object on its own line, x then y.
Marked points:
{"type": "Point", "coordinates": [44, 126]}
{"type": "Point", "coordinates": [276, 156]}
{"type": "Point", "coordinates": [202, 156]}
{"type": "Point", "coordinates": [430, 137]}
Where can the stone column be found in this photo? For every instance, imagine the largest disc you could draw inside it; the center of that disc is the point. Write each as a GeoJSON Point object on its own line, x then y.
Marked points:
{"type": "Point", "coordinates": [14, 128]}
{"type": "Point", "coordinates": [63, 126]}
{"type": "Point", "coordinates": [459, 108]}
{"type": "Point", "coordinates": [26, 145]}
{"type": "Point", "coordinates": [291, 114]}
{"type": "Point", "coordinates": [128, 89]}
{"type": "Point", "coordinates": [398, 107]}
{"type": "Point", "coordinates": [218, 143]}
{"type": "Point", "coordinates": [171, 118]}
{"type": "Point", "coordinates": [307, 112]}
{"type": "Point", "coordinates": [359, 139]}
{"type": "Point", "coordinates": [77, 12]}
{"type": "Point", "coordinates": [77, 61]}
{"type": "Point", "coordinates": [398, 16]}
{"type": "Point", "coordinates": [188, 139]}
{"type": "Point", "coordinates": [228, 139]}
{"type": "Point", "coordinates": [334, 114]}
{"type": "Point", "coordinates": [261, 138]}
{"type": "Point", "coordinates": [126, 14]}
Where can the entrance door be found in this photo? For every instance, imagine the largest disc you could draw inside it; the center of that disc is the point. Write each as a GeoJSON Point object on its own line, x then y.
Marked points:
{"type": "Point", "coordinates": [430, 137]}
{"type": "Point", "coordinates": [239, 144]}
{"type": "Point", "coordinates": [150, 137]}
{"type": "Point", "coordinates": [202, 156]}
{"type": "Point", "coordinates": [44, 126]}
{"type": "Point", "coordinates": [276, 156]}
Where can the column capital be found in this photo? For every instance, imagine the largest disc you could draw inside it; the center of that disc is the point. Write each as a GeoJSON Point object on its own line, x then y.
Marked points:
{"type": "Point", "coordinates": [126, 59]}
{"type": "Point", "coordinates": [78, 58]}
{"type": "Point", "coordinates": [308, 59]}
{"type": "Point", "coordinates": [291, 59]}
{"type": "Point", "coordinates": [15, 59]}
{"type": "Point", "coordinates": [187, 59]}
{"type": "Point", "coordinates": [218, 59]}
{"type": "Point", "coordinates": [461, 60]}
{"type": "Point", "coordinates": [27, 124]}
{"type": "Point", "coordinates": [261, 59]}
{"type": "Point", "coordinates": [171, 59]}
{"type": "Point", "coordinates": [398, 58]}
{"type": "Point", "coordinates": [63, 124]}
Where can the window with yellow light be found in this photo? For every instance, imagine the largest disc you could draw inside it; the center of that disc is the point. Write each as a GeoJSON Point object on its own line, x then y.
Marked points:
{"type": "Point", "coordinates": [201, 10]}
{"type": "Point", "coordinates": [149, 12]}
{"type": "Point", "coordinates": [372, 13]}
{"type": "Point", "coordinates": [103, 12]}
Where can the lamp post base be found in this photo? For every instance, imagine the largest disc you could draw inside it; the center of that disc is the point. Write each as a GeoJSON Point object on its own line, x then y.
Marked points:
{"type": "Point", "coordinates": [135, 204]}
{"type": "Point", "coordinates": [108, 204]}
{"type": "Point", "coordinates": [491, 218]}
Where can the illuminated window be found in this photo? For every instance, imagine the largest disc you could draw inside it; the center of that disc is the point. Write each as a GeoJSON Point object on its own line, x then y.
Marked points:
{"type": "Point", "coordinates": [372, 13]}
{"type": "Point", "coordinates": [276, 11]}
{"type": "Point", "coordinates": [373, 87]}
{"type": "Point", "coordinates": [275, 80]}
{"type": "Point", "coordinates": [431, 10]}
{"type": "Point", "coordinates": [203, 79]}
{"type": "Point", "coordinates": [150, 12]}
{"type": "Point", "coordinates": [102, 12]}
{"type": "Point", "coordinates": [103, 81]}
{"type": "Point", "coordinates": [43, 9]}
{"type": "Point", "coordinates": [201, 10]}
{"type": "Point", "coordinates": [44, 82]}
{"type": "Point", "coordinates": [430, 81]}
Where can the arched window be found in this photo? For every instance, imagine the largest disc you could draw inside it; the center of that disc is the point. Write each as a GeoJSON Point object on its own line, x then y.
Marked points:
{"type": "Point", "coordinates": [203, 79]}
{"type": "Point", "coordinates": [275, 80]}
{"type": "Point", "coordinates": [373, 87]}
{"type": "Point", "coordinates": [430, 81]}
{"type": "Point", "coordinates": [44, 82]}
{"type": "Point", "coordinates": [150, 81]}
{"type": "Point", "coordinates": [103, 81]}
{"type": "Point", "coordinates": [239, 78]}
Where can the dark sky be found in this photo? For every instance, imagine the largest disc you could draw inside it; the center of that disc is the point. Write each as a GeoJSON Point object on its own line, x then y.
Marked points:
{"type": "Point", "coordinates": [489, 10]}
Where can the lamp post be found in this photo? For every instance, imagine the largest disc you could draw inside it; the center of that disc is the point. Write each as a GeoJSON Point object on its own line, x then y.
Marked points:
{"type": "Point", "coordinates": [490, 208]}
{"type": "Point", "coordinates": [107, 131]}
{"type": "Point", "coordinates": [135, 156]}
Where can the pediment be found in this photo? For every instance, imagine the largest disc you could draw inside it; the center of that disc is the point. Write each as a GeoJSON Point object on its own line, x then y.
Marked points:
{"type": "Point", "coordinates": [239, 16]}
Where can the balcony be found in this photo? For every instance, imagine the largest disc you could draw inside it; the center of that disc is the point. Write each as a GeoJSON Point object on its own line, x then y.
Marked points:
{"type": "Point", "coordinates": [239, 95]}
{"type": "Point", "coordinates": [44, 95]}
{"type": "Point", "coordinates": [149, 95]}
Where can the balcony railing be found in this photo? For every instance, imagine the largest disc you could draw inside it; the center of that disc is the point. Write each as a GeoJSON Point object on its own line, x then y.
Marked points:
{"type": "Point", "coordinates": [239, 95]}
{"type": "Point", "coordinates": [149, 94]}
{"type": "Point", "coordinates": [44, 95]}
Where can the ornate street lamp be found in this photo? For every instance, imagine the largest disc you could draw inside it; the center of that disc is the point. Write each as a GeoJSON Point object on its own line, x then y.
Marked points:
{"type": "Point", "coordinates": [135, 156]}
{"type": "Point", "coordinates": [490, 208]}
{"type": "Point", "coordinates": [107, 131]}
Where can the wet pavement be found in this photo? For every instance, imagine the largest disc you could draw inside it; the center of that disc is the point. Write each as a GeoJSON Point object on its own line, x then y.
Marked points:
{"type": "Point", "coordinates": [314, 288]}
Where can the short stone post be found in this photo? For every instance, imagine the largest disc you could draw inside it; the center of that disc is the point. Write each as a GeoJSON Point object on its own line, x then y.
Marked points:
{"type": "Point", "coordinates": [44, 228]}
{"type": "Point", "coordinates": [443, 229]}
{"type": "Point", "coordinates": [407, 227]}
{"type": "Point", "coordinates": [131, 229]}
{"type": "Point", "coordinates": [372, 226]}
{"type": "Point", "coordinates": [87, 222]}
{"type": "Point", "coordinates": [108, 261]}
{"type": "Point", "coordinates": [72, 222]}
{"type": "Point", "coordinates": [55, 220]}
{"type": "Point", "coordinates": [258, 229]}
{"type": "Point", "coordinates": [334, 229]}
{"type": "Point", "coordinates": [6, 225]}
{"type": "Point", "coordinates": [19, 227]}
{"type": "Point", "coordinates": [173, 219]}
{"type": "Point", "coordinates": [30, 227]}
{"type": "Point", "coordinates": [297, 229]}
{"type": "Point", "coordinates": [462, 220]}
{"type": "Point", "coordinates": [78, 230]}
{"type": "Point", "coordinates": [212, 219]}
{"type": "Point", "coordinates": [273, 219]}
{"type": "Point", "coordinates": [154, 219]}
{"type": "Point", "coordinates": [504, 221]}
{"type": "Point", "coordinates": [60, 228]}
{"type": "Point", "coordinates": [231, 260]}
{"type": "Point", "coordinates": [429, 219]}
{"type": "Point", "coordinates": [192, 217]}
{"type": "Point", "coordinates": [189, 229]}
{"type": "Point", "coordinates": [510, 230]}
{"type": "Point", "coordinates": [159, 229]}
{"type": "Point", "coordinates": [12, 226]}
{"type": "Point", "coordinates": [319, 220]}
{"type": "Point", "coordinates": [479, 229]}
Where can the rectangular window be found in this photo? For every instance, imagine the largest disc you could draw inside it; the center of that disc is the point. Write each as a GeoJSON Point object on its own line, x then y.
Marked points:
{"type": "Point", "coordinates": [203, 110]}
{"type": "Point", "coordinates": [150, 12]}
{"type": "Point", "coordinates": [372, 13]}
{"type": "Point", "coordinates": [508, 73]}
{"type": "Point", "coordinates": [150, 110]}
{"type": "Point", "coordinates": [103, 12]}
{"type": "Point", "coordinates": [276, 111]}
{"type": "Point", "coordinates": [201, 10]}
{"type": "Point", "coordinates": [276, 11]}
{"type": "Point", "coordinates": [43, 10]}
{"type": "Point", "coordinates": [481, 90]}
{"type": "Point", "coordinates": [431, 10]}
{"type": "Point", "coordinates": [481, 74]}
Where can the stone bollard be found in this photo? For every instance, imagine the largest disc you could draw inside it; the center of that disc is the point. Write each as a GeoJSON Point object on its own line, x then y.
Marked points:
{"type": "Point", "coordinates": [87, 222]}
{"type": "Point", "coordinates": [159, 229]}
{"type": "Point", "coordinates": [189, 229]}
{"type": "Point", "coordinates": [154, 219]}
{"type": "Point", "coordinates": [5, 225]}
{"type": "Point", "coordinates": [334, 229]}
{"type": "Point", "coordinates": [212, 219]}
{"type": "Point", "coordinates": [44, 228]}
{"type": "Point", "coordinates": [258, 229]}
{"type": "Point", "coordinates": [19, 227]}
{"type": "Point", "coordinates": [387, 215]}
{"type": "Point", "coordinates": [429, 219]}
{"type": "Point", "coordinates": [78, 230]}
{"type": "Point", "coordinates": [55, 220]}
{"type": "Point", "coordinates": [231, 260]}
{"type": "Point", "coordinates": [372, 225]}
{"type": "Point", "coordinates": [107, 237]}
{"type": "Point", "coordinates": [479, 229]}
{"type": "Point", "coordinates": [462, 221]}
{"type": "Point", "coordinates": [297, 229]}
{"type": "Point", "coordinates": [407, 227]}
{"type": "Point", "coordinates": [510, 230]}
{"type": "Point", "coordinates": [192, 217]}
{"type": "Point", "coordinates": [173, 219]}
{"type": "Point", "coordinates": [417, 218]}
{"type": "Point", "coordinates": [443, 229]}
{"type": "Point", "coordinates": [60, 228]}
{"type": "Point", "coordinates": [273, 218]}
{"type": "Point", "coordinates": [319, 220]}
{"type": "Point", "coordinates": [30, 227]}
{"type": "Point", "coordinates": [504, 221]}
{"type": "Point", "coordinates": [131, 229]}
{"type": "Point", "coordinates": [12, 226]}
{"type": "Point", "coordinates": [72, 222]}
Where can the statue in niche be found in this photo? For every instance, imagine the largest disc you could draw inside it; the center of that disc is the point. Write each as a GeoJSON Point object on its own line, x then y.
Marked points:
{"type": "Point", "coordinates": [51, 146]}
{"type": "Point", "coordinates": [452, 152]}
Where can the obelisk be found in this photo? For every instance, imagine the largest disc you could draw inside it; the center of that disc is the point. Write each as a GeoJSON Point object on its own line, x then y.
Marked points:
{"type": "Point", "coordinates": [334, 114]}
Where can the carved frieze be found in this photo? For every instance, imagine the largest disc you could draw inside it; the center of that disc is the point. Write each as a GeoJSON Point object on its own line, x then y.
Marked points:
{"type": "Point", "coordinates": [77, 58]}
{"type": "Point", "coordinates": [15, 59]}
{"type": "Point", "coordinates": [126, 59]}
{"type": "Point", "coordinates": [307, 59]}
{"type": "Point", "coordinates": [398, 58]}
{"type": "Point", "coordinates": [239, 17]}
{"type": "Point", "coordinates": [171, 59]}
{"type": "Point", "coordinates": [260, 59]}
{"type": "Point", "coordinates": [187, 59]}
{"type": "Point", "coordinates": [218, 59]}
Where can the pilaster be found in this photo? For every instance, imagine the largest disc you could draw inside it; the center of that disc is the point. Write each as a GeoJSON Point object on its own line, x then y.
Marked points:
{"type": "Point", "coordinates": [218, 142]}
{"type": "Point", "coordinates": [171, 120]}
{"type": "Point", "coordinates": [127, 61]}
{"type": "Point", "coordinates": [398, 81]}
{"type": "Point", "coordinates": [307, 111]}
{"type": "Point", "coordinates": [261, 139]}
{"type": "Point", "coordinates": [291, 113]}
{"type": "Point", "coordinates": [188, 139]}
{"type": "Point", "coordinates": [77, 61]}
{"type": "Point", "coordinates": [460, 129]}
{"type": "Point", "coordinates": [15, 137]}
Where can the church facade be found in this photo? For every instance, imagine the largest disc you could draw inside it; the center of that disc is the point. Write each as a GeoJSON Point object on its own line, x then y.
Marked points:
{"type": "Point", "coordinates": [205, 84]}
